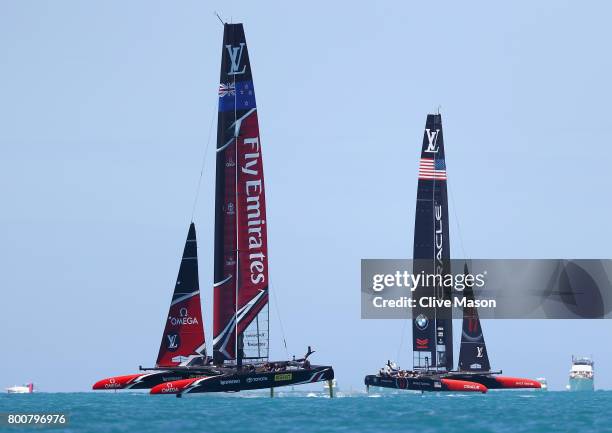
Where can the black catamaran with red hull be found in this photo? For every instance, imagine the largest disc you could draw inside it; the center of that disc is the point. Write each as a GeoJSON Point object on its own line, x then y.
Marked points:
{"type": "Point", "coordinates": [240, 358]}
{"type": "Point", "coordinates": [241, 315]}
{"type": "Point", "coordinates": [432, 327]}
{"type": "Point", "coordinates": [250, 377]}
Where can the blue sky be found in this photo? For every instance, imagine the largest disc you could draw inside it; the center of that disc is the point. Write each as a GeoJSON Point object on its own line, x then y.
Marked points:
{"type": "Point", "coordinates": [106, 109]}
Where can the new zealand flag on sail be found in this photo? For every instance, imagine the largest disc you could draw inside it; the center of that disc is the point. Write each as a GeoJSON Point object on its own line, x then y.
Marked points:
{"type": "Point", "coordinates": [240, 95]}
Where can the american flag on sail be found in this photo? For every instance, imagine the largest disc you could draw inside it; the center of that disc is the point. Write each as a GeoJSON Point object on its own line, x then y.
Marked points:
{"type": "Point", "coordinates": [227, 89]}
{"type": "Point", "coordinates": [432, 169]}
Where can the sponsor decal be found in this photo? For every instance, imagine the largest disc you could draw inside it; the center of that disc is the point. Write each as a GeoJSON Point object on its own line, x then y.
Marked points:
{"type": "Point", "coordinates": [183, 319]}
{"type": "Point", "coordinates": [475, 365]}
{"type": "Point", "coordinates": [437, 384]}
{"type": "Point", "coordinates": [230, 208]}
{"type": "Point", "coordinates": [229, 382]}
{"type": "Point", "coordinates": [255, 344]}
{"type": "Point", "coordinates": [112, 384]}
{"type": "Point", "coordinates": [171, 378]}
{"type": "Point", "coordinates": [235, 54]}
{"type": "Point", "coordinates": [421, 321]}
{"type": "Point", "coordinates": [432, 140]}
{"type": "Point", "coordinates": [230, 162]}
{"type": "Point", "coordinates": [173, 342]}
{"type": "Point", "coordinates": [438, 237]}
{"type": "Point", "coordinates": [281, 377]}
{"type": "Point", "coordinates": [256, 379]}
{"type": "Point", "coordinates": [479, 350]}
{"type": "Point", "coordinates": [422, 343]}
{"type": "Point", "coordinates": [254, 334]}
{"type": "Point", "coordinates": [169, 388]}
{"type": "Point", "coordinates": [254, 192]}
{"type": "Point", "coordinates": [440, 335]}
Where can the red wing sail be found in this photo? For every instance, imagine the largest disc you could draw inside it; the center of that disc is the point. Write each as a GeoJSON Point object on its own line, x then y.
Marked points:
{"type": "Point", "coordinates": [252, 245]}
{"type": "Point", "coordinates": [241, 267]}
{"type": "Point", "coordinates": [183, 338]}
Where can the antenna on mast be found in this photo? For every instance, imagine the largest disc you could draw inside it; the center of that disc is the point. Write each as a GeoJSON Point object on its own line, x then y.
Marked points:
{"type": "Point", "coordinates": [220, 19]}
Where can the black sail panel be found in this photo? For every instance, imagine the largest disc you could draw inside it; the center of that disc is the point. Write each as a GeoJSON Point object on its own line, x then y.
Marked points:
{"type": "Point", "coordinates": [432, 333]}
{"type": "Point", "coordinates": [473, 354]}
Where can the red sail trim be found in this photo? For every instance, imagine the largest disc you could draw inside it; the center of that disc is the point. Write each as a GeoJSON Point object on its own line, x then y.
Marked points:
{"type": "Point", "coordinates": [225, 290]}
{"type": "Point", "coordinates": [252, 232]}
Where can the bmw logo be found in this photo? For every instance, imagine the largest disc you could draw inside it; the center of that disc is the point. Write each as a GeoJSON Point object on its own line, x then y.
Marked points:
{"type": "Point", "coordinates": [421, 321]}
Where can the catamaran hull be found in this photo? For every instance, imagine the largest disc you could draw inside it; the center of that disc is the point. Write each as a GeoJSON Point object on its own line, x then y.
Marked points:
{"type": "Point", "coordinates": [234, 382]}
{"type": "Point", "coordinates": [142, 381]}
{"type": "Point", "coordinates": [430, 384]}
{"type": "Point", "coordinates": [499, 382]}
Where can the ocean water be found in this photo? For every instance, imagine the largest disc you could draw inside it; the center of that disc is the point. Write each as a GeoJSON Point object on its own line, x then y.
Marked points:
{"type": "Point", "coordinates": [300, 412]}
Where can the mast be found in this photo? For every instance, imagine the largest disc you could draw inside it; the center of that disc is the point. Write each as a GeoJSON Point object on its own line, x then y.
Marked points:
{"type": "Point", "coordinates": [432, 328]}
{"type": "Point", "coordinates": [183, 342]}
{"type": "Point", "coordinates": [240, 323]}
{"type": "Point", "coordinates": [473, 354]}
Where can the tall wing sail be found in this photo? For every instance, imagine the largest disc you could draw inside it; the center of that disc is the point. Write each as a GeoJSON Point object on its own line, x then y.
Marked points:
{"type": "Point", "coordinates": [241, 264]}
{"type": "Point", "coordinates": [473, 354]}
{"type": "Point", "coordinates": [432, 332]}
{"type": "Point", "coordinates": [183, 338]}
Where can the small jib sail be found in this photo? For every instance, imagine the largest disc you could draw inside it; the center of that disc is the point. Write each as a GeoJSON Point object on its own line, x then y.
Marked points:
{"type": "Point", "coordinates": [182, 343]}
{"type": "Point", "coordinates": [183, 338]}
{"type": "Point", "coordinates": [240, 323]}
{"type": "Point", "coordinates": [432, 328]}
{"type": "Point", "coordinates": [473, 354]}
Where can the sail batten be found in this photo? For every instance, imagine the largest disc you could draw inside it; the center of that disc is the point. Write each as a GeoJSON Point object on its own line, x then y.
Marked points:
{"type": "Point", "coordinates": [241, 266]}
